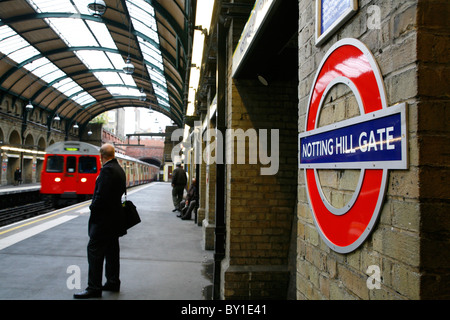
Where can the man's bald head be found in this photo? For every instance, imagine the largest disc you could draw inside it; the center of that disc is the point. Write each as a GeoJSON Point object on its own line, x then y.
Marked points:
{"type": "Point", "coordinates": [107, 152]}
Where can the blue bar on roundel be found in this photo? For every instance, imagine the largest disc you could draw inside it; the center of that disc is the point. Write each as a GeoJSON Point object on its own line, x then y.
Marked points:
{"type": "Point", "coordinates": [371, 141]}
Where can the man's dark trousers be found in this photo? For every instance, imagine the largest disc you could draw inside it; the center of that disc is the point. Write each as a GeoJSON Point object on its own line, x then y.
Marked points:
{"type": "Point", "coordinates": [177, 195]}
{"type": "Point", "coordinates": [98, 250]}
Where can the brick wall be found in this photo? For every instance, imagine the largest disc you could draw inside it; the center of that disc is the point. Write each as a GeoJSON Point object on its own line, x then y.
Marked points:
{"type": "Point", "coordinates": [209, 222]}
{"type": "Point", "coordinates": [260, 208]}
{"type": "Point", "coordinates": [152, 149]}
{"type": "Point", "coordinates": [433, 145]}
{"type": "Point", "coordinates": [409, 47]}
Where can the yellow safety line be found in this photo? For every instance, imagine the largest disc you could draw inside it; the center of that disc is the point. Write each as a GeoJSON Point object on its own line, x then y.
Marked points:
{"type": "Point", "coordinates": [44, 218]}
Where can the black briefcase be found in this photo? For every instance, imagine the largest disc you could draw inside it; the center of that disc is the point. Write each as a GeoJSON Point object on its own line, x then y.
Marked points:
{"type": "Point", "coordinates": [131, 216]}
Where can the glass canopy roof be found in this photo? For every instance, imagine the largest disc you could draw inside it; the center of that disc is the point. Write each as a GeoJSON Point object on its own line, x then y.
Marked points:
{"type": "Point", "coordinates": [153, 39]}
{"type": "Point", "coordinates": [19, 50]}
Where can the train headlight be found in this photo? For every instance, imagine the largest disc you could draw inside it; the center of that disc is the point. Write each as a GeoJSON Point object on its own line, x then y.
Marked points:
{"type": "Point", "coordinates": [57, 179]}
{"type": "Point", "coordinates": [83, 179]}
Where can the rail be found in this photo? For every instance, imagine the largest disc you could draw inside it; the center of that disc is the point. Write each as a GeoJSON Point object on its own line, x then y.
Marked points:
{"type": "Point", "coordinates": [10, 215]}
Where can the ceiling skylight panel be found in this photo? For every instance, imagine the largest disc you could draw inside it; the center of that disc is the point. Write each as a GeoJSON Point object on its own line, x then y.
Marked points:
{"type": "Point", "coordinates": [163, 103]}
{"type": "Point", "coordinates": [102, 34]}
{"type": "Point", "coordinates": [94, 59]}
{"type": "Point", "coordinates": [161, 96]}
{"type": "Point", "coordinates": [157, 77]}
{"type": "Point", "coordinates": [52, 75]}
{"type": "Point", "coordinates": [155, 73]}
{"type": "Point", "coordinates": [52, 6]}
{"type": "Point", "coordinates": [156, 64]}
{"type": "Point", "coordinates": [142, 15]}
{"type": "Point", "coordinates": [70, 89]}
{"type": "Point", "coordinates": [142, 27]}
{"type": "Point", "coordinates": [160, 90]}
{"type": "Point", "coordinates": [157, 83]}
{"type": "Point", "coordinates": [10, 41]}
{"type": "Point", "coordinates": [64, 84]}
{"type": "Point", "coordinates": [48, 72]}
{"type": "Point", "coordinates": [23, 54]}
{"type": "Point", "coordinates": [142, 5]}
{"type": "Point", "coordinates": [108, 77]}
{"type": "Point", "coordinates": [14, 46]}
{"type": "Point", "coordinates": [150, 49]}
{"type": "Point", "coordinates": [151, 55]}
{"type": "Point", "coordinates": [36, 64]}
{"type": "Point", "coordinates": [73, 31]}
{"type": "Point", "coordinates": [127, 79]}
{"type": "Point", "coordinates": [45, 69]}
{"type": "Point", "coordinates": [116, 59]}
{"type": "Point", "coordinates": [6, 32]}
{"type": "Point", "coordinates": [124, 91]}
{"type": "Point", "coordinates": [83, 98]}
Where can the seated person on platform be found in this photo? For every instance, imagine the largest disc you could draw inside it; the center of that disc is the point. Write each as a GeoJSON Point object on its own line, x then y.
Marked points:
{"type": "Point", "coordinates": [187, 206]}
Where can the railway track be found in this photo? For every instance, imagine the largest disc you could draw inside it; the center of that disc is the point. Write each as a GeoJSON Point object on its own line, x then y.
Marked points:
{"type": "Point", "coordinates": [11, 215]}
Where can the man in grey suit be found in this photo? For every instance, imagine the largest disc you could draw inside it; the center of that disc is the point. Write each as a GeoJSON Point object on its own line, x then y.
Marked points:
{"type": "Point", "coordinates": [105, 227]}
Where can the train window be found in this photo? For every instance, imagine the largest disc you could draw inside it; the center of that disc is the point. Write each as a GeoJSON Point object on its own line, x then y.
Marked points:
{"type": "Point", "coordinates": [71, 164]}
{"type": "Point", "coordinates": [87, 165]}
{"type": "Point", "coordinates": [55, 164]}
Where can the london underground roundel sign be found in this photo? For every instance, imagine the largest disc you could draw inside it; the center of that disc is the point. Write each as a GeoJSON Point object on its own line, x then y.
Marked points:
{"type": "Point", "coordinates": [374, 142]}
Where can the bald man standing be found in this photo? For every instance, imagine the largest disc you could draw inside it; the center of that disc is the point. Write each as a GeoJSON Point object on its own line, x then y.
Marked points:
{"type": "Point", "coordinates": [104, 227]}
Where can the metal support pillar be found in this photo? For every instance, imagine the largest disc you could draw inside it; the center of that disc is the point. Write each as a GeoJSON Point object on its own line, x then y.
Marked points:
{"type": "Point", "coordinates": [220, 230]}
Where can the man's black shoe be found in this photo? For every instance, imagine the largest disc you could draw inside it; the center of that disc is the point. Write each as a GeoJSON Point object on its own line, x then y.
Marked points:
{"type": "Point", "coordinates": [176, 209]}
{"type": "Point", "coordinates": [111, 287]}
{"type": "Point", "coordinates": [87, 294]}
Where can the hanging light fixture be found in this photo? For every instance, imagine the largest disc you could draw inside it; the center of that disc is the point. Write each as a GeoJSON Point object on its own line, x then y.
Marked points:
{"type": "Point", "coordinates": [129, 67]}
{"type": "Point", "coordinates": [75, 126]}
{"type": "Point", "coordinates": [29, 106]}
{"type": "Point", "coordinates": [56, 118]}
{"type": "Point", "coordinates": [89, 132]}
{"type": "Point", "coordinates": [142, 96]}
{"type": "Point", "coordinates": [97, 7]}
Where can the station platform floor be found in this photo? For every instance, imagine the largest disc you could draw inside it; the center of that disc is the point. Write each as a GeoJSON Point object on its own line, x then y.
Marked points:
{"type": "Point", "coordinates": [28, 187]}
{"type": "Point", "coordinates": [44, 258]}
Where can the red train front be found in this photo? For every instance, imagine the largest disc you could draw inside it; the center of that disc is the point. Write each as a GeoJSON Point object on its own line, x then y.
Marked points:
{"type": "Point", "coordinates": [70, 170]}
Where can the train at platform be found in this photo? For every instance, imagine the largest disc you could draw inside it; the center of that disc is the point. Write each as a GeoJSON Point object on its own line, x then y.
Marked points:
{"type": "Point", "coordinates": [71, 168]}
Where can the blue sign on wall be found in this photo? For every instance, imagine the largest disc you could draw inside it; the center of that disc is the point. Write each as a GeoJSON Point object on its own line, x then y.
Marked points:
{"type": "Point", "coordinates": [375, 140]}
{"type": "Point", "coordinates": [331, 14]}
{"type": "Point", "coordinates": [331, 11]}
